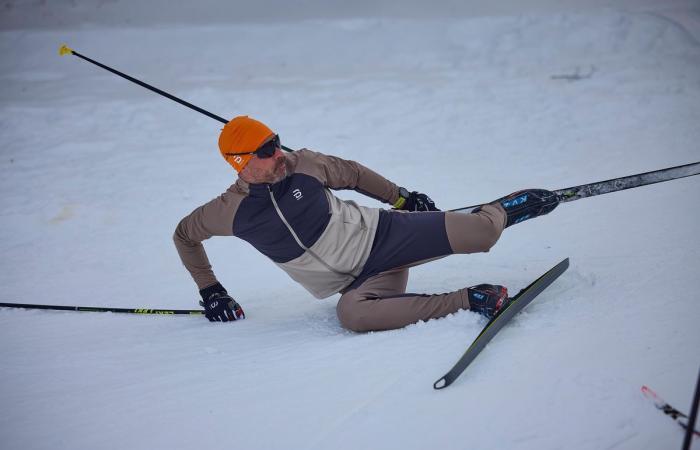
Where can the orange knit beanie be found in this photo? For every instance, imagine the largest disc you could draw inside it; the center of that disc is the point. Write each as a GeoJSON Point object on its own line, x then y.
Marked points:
{"type": "Point", "coordinates": [242, 134]}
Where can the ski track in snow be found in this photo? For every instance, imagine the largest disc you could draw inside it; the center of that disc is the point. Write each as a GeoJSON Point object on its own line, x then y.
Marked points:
{"type": "Point", "coordinates": [96, 172]}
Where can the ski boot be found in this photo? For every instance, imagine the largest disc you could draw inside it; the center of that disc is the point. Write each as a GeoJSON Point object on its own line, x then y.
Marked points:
{"type": "Point", "coordinates": [527, 204]}
{"type": "Point", "coordinates": [487, 299]}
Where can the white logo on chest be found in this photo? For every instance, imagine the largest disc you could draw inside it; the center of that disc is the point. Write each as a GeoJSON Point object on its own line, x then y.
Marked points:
{"type": "Point", "coordinates": [297, 194]}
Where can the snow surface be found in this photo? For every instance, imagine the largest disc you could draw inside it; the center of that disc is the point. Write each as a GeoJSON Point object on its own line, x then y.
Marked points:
{"type": "Point", "coordinates": [96, 172]}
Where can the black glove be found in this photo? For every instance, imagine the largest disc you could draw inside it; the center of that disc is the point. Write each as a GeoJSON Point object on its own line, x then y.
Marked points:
{"type": "Point", "coordinates": [219, 306]}
{"type": "Point", "coordinates": [414, 201]}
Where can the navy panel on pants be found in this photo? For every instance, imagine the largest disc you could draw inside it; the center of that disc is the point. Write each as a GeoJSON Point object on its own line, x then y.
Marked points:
{"type": "Point", "coordinates": [404, 238]}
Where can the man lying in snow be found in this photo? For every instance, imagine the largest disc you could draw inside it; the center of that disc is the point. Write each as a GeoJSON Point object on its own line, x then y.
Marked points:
{"type": "Point", "coordinates": [282, 204]}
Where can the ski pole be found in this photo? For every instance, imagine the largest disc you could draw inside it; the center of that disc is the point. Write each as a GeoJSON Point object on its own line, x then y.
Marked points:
{"type": "Point", "coordinates": [693, 417]}
{"type": "Point", "coordinates": [65, 50]}
{"type": "Point", "coordinates": [104, 309]}
{"type": "Point", "coordinates": [616, 184]}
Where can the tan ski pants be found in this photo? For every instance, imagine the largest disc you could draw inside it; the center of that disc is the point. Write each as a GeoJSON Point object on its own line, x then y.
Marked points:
{"type": "Point", "coordinates": [380, 302]}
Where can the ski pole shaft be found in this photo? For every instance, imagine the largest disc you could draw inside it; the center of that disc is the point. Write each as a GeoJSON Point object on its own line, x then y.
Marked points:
{"type": "Point", "coordinates": [65, 50]}
{"type": "Point", "coordinates": [628, 182]}
{"type": "Point", "coordinates": [103, 309]}
{"type": "Point", "coordinates": [616, 184]}
{"type": "Point", "coordinates": [693, 416]}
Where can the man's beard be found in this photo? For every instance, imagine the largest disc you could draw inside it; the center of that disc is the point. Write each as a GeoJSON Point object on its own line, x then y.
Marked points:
{"type": "Point", "coordinates": [277, 173]}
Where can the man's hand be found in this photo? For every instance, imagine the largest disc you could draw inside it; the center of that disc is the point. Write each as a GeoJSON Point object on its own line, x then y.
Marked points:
{"type": "Point", "coordinates": [414, 201]}
{"type": "Point", "coordinates": [219, 306]}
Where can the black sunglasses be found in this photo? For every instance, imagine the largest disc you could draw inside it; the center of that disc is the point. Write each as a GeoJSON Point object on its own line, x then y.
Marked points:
{"type": "Point", "coordinates": [265, 151]}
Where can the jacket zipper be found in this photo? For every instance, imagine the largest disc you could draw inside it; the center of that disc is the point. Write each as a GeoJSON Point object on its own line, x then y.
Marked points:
{"type": "Point", "coordinates": [298, 241]}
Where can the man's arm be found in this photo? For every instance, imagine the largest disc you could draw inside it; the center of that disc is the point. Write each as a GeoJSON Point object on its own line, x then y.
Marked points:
{"type": "Point", "coordinates": [214, 218]}
{"type": "Point", "coordinates": [338, 173]}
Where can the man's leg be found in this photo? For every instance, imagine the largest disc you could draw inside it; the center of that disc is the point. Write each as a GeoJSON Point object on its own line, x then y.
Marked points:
{"type": "Point", "coordinates": [406, 239]}
{"type": "Point", "coordinates": [380, 303]}
{"type": "Point", "coordinates": [478, 232]}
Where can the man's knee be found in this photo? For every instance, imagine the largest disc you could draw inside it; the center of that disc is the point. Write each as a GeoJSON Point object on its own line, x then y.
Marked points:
{"type": "Point", "coordinates": [475, 233]}
{"type": "Point", "coordinates": [351, 313]}
{"type": "Point", "coordinates": [491, 234]}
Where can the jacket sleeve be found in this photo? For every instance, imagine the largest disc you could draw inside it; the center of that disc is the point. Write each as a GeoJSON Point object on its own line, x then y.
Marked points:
{"type": "Point", "coordinates": [214, 218]}
{"type": "Point", "coordinates": [338, 173]}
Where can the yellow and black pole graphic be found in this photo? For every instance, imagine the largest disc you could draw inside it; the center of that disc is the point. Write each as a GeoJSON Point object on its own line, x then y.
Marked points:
{"type": "Point", "coordinates": [105, 309]}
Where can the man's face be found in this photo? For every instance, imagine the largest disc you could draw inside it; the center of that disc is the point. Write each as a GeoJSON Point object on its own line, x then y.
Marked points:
{"type": "Point", "coordinates": [266, 170]}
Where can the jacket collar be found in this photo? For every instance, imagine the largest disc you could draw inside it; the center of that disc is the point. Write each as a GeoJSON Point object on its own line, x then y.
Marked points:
{"type": "Point", "coordinates": [260, 189]}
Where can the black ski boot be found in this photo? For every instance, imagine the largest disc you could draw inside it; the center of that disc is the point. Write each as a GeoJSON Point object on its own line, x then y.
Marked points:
{"type": "Point", "coordinates": [487, 299]}
{"type": "Point", "coordinates": [526, 204]}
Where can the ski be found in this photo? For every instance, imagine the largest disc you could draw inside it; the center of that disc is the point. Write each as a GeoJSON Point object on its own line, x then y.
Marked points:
{"type": "Point", "coordinates": [680, 418]}
{"type": "Point", "coordinates": [104, 309]}
{"type": "Point", "coordinates": [516, 304]}
{"type": "Point", "coordinates": [616, 184]}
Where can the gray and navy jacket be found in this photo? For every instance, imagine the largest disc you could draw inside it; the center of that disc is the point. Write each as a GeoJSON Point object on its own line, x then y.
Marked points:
{"type": "Point", "coordinates": [321, 241]}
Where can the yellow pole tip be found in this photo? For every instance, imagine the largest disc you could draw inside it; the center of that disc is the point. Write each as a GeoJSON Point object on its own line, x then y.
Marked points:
{"type": "Point", "coordinates": [65, 50]}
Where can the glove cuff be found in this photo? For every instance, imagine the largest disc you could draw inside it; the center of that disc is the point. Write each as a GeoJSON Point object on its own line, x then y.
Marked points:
{"type": "Point", "coordinates": [214, 288]}
{"type": "Point", "coordinates": [403, 197]}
